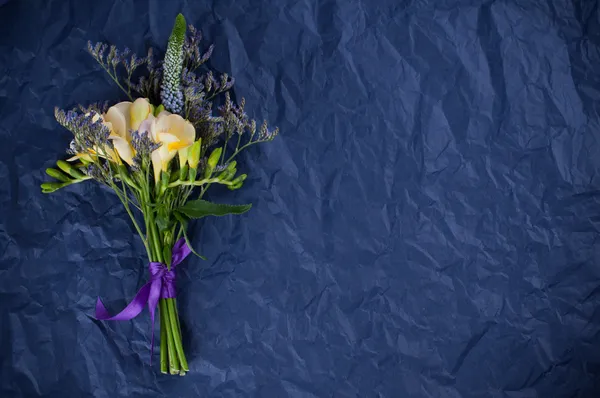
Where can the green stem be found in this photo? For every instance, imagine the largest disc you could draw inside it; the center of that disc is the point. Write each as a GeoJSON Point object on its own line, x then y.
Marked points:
{"type": "Point", "coordinates": [116, 80]}
{"type": "Point", "coordinates": [156, 240]}
{"type": "Point", "coordinates": [184, 360]}
{"type": "Point", "coordinates": [173, 360]}
{"type": "Point", "coordinates": [237, 151]}
{"type": "Point", "coordinates": [172, 357]}
{"type": "Point", "coordinates": [153, 234]}
{"type": "Point", "coordinates": [125, 202]}
{"type": "Point", "coordinates": [163, 344]}
{"type": "Point", "coordinates": [199, 182]}
{"type": "Point", "coordinates": [173, 323]}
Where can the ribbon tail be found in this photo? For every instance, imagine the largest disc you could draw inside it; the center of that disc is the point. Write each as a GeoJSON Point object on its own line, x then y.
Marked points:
{"type": "Point", "coordinates": [132, 310]}
{"type": "Point", "coordinates": [153, 297]}
{"type": "Point", "coordinates": [180, 251]}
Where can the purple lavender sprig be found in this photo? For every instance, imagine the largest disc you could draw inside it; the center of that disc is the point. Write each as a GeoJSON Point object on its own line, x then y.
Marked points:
{"type": "Point", "coordinates": [149, 86]}
{"type": "Point", "coordinates": [109, 57]}
{"type": "Point", "coordinates": [86, 132]}
{"type": "Point", "coordinates": [143, 146]}
{"type": "Point", "coordinates": [193, 58]}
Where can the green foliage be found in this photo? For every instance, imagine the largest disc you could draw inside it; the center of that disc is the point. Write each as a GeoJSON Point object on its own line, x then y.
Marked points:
{"type": "Point", "coordinates": [202, 208]}
{"type": "Point", "coordinates": [63, 179]}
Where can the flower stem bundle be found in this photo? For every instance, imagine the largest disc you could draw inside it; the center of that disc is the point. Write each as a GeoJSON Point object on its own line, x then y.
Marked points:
{"type": "Point", "coordinates": [159, 152]}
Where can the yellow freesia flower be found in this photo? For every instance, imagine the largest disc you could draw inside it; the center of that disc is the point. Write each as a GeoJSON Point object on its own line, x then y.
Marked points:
{"type": "Point", "coordinates": [121, 119]}
{"type": "Point", "coordinates": [175, 133]}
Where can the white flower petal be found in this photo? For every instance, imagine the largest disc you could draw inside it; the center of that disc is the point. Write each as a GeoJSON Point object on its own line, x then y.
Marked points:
{"type": "Point", "coordinates": [123, 149]}
{"type": "Point", "coordinates": [156, 165]}
{"type": "Point", "coordinates": [138, 112]}
{"type": "Point", "coordinates": [146, 125]}
{"type": "Point", "coordinates": [123, 108]}
{"type": "Point", "coordinates": [117, 121]}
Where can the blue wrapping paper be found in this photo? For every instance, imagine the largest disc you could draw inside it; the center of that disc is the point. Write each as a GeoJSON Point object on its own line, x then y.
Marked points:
{"type": "Point", "coordinates": [426, 225]}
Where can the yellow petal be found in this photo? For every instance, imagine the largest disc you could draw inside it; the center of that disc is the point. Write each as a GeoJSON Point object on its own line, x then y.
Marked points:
{"type": "Point", "coordinates": [115, 120]}
{"type": "Point", "coordinates": [183, 155]}
{"type": "Point", "coordinates": [78, 156]}
{"type": "Point", "coordinates": [189, 132]}
{"type": "Point", "coordinates": [123, 149]}
{"type": "Point", "coordinates": [175, 125]}
{"type": "Point", "coordinates": [173, 146]}
{"type": "Point", "coordinates": [120, 113]}
{"type": "Point", "coordinates": [156, 165]}
{"type": "Point", "coordinates": [147, 125]}
{"type": "Point", "coordinates": [139, 111]}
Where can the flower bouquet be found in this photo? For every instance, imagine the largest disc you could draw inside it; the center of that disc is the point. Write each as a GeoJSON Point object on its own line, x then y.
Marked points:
{"type": "Point", "coordinates": [160, 151]}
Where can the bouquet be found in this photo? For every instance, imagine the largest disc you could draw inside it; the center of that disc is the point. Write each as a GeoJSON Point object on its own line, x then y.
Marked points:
{"type": "Point", "coordinates": [160, 152]}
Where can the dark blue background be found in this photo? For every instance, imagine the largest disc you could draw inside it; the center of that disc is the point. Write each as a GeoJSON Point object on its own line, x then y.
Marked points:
{"type": "Point", "coordinates": [425, 226]}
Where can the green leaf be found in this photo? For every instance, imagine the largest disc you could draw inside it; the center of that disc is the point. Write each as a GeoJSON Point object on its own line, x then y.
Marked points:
{"type": "Point", "coordinates": [162, 221]}
{"type": "Point", "coordinates": [167, 253]}
{"type": "Point", "coordinates": [202, 208]}
{"type": "Point", "coordinates": [184, 222]}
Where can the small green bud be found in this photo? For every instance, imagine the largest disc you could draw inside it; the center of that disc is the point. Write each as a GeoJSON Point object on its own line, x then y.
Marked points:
{"type": "Point", "coordinates": [183, 172]}
{"type": "Point", "coordinates": [159, 109]}
{"type": "Point", "coordinates": [193, 174]}
{"type": "Point", "coordinates": [238, 182]}
{"type": "Point", "coordinates": [49, 187]}
{"type": "Point", "coordinates": [194, 154]}
{"type": "Point", "coordinates": [167, 253]}
{"type": "Point", "coordinates": [173, 177]}
{"type": "Point", "coordinates": [213, 159]}
{"type": "Point", "coordinates": [240, 178]}
{"type": "Point", "coordinates": [229, 172]}
{"type": "Point", "coordinates": [165, 176]}
{"type": "Point", "coordinates": [231, 166]}
{"type": "Point", "coordinates": [60, 176]}
{"type": "Point", "coordinates": [68, 168]}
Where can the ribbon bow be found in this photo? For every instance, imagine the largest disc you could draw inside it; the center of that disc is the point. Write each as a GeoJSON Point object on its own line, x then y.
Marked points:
{"type": "Point", "coordinates": [161, 285]}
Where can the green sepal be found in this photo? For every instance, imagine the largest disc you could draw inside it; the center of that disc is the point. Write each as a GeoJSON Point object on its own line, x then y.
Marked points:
{"type": "Point", "coordinates": [183, 172]}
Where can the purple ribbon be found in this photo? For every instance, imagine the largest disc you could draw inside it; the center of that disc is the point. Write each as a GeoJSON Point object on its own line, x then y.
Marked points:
{"type": "Point", "coordinates": [161, 285]}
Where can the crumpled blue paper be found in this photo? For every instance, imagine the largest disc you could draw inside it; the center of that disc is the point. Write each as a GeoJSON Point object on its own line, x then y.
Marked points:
{"type": "Point", "coordinates": [426, 225]}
